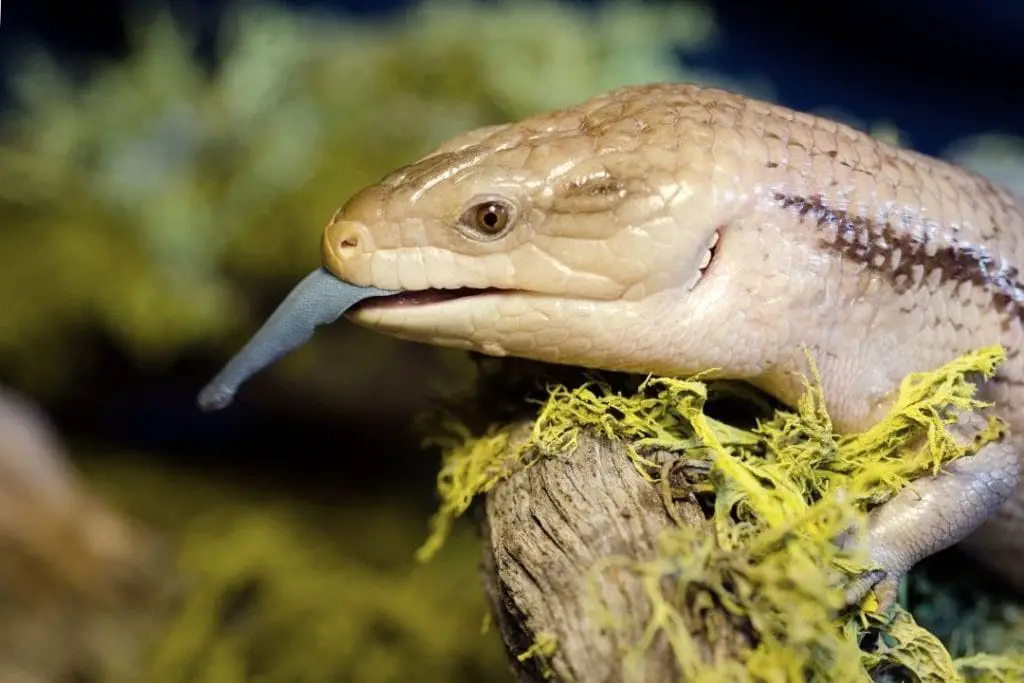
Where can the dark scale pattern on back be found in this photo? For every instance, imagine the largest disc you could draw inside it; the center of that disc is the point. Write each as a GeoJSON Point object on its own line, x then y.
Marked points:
{"type": "Point", "coordinates": [895, 253]}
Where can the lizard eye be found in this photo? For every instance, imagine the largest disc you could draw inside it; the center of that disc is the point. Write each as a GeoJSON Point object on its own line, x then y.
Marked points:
{"type": "Point", "coordinates": [488, 219]}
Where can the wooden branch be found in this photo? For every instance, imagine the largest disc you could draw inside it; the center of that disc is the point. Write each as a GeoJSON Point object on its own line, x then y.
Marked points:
{"type": "Point", "coordinates": [544, 528]}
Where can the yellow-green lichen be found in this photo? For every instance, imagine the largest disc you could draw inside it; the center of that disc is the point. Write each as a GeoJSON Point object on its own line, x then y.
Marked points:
{"type": "Point", "coordinates": [544, 645]}
{"type": "Point", "coordinates": [984, 668]}
{"type": "Point", "coordinates": [784, 491]}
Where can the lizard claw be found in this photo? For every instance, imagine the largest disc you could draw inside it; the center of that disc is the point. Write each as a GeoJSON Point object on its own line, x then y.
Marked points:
{"type": "Point", "coordinates": [883, 583]}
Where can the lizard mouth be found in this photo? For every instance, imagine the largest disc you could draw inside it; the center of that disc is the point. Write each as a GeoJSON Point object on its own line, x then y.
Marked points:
{"type": "Point", "coordinates": [707, 259]}
{"type": "Point", "coordinates": [422, 297]}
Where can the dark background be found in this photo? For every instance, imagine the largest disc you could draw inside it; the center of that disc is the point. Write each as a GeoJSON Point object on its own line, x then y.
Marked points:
{"type": "Point", "coordinates": [939, 69]}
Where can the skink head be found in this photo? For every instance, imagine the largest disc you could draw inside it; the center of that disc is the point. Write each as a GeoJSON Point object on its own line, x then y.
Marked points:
{"type": "Point", "coordinates": [569, 237]}
{"type": "Point", "coordinates": [517, 239]}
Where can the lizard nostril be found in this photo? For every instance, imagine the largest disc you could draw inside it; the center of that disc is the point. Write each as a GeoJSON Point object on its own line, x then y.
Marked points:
{"type": "Point", "coordinates": [345, 240]}
{"type": "Point", "coordinates": [344, 243]}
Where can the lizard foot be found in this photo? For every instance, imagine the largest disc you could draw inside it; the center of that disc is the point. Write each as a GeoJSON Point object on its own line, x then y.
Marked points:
{"type": "Point", "coordinates": [884, 584]}
{"type": "Point", "coordinates": [934, 512]}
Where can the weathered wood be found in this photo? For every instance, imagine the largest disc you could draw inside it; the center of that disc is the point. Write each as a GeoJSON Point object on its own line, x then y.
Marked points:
{"type": "Point", "coordinates": [544, 528]}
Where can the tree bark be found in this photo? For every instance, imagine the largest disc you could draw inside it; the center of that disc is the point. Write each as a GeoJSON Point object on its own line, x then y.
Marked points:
{"type": "Point", "coordinates": [544, 529]}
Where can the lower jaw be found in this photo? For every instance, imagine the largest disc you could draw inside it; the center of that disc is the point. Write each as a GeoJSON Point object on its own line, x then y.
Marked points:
{"type": "Point", "coordinates": [506, 323]}
{"type": "Point", "coordinates": [463, 319]}
{"type": "Point", "coordinates": [439, 317]}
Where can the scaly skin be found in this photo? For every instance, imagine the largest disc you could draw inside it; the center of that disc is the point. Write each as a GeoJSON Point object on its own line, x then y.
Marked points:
{"type": "Point", "coordinates": [882, 261]}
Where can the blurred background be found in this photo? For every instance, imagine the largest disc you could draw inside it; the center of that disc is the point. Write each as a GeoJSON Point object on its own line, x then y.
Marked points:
{"type": "Point", "coordinates": [165, 172]}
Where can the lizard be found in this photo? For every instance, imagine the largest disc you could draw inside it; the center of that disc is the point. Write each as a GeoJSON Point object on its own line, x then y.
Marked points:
{"type": "Point", "coordinates": [674, 228]}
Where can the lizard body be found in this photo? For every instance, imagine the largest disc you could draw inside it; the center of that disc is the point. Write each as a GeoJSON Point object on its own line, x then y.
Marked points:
{"type": "Point", "coordinates": [670, 229]}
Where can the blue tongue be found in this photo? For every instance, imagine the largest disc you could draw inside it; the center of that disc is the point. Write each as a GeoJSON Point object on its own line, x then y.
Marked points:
{"type": "Point", "coordinates": [319, 299]}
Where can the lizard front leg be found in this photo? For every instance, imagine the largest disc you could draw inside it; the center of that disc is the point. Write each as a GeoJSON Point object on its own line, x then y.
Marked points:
{"type": "Point", "coordinates": [934, 512]}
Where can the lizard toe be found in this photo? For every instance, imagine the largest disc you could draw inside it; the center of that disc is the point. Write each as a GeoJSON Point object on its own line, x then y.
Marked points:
{"type": "Point", "coordinates": [884, 584]}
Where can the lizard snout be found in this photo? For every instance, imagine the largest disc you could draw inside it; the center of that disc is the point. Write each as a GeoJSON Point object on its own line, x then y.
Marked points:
{"type": "Point", "coordinates": [344, 241]}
